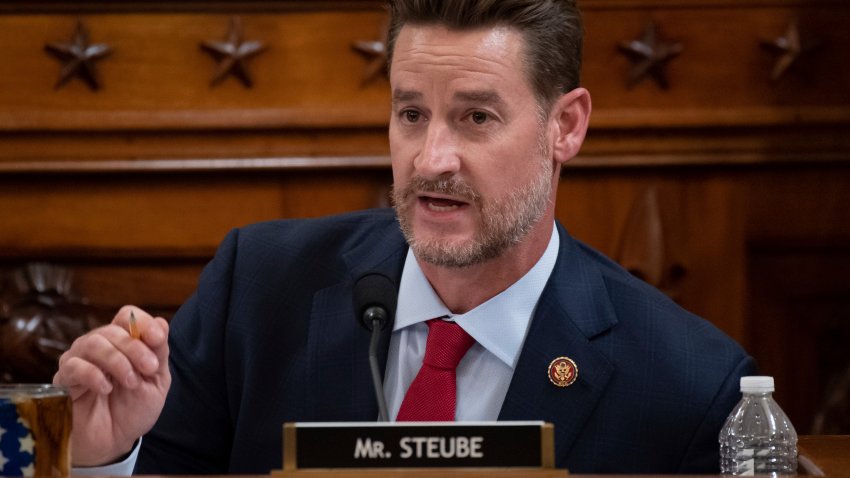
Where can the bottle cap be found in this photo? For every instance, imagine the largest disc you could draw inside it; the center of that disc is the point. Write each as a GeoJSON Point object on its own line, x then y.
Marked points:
{"type": "Point", "coordinates": [757, 384]}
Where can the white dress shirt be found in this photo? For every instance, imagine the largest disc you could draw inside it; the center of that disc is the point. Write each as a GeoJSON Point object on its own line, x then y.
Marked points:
{"type": "Point", "coordinates": [499, 327]}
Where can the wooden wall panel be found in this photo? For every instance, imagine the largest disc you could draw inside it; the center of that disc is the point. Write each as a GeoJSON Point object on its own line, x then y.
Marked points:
{"type": "Point", "coordinates": [799, 327]}
{"type": "Point", "coordinates": [703, 230]}
{"type": "Point", "coordinates": [722, 74]}
{"type": "Point", "coordinates": [140, 215]}
{"type": "Point", "coordinates": [799, 206]}
{"type": "Point", "coordinates": [62, 151]}
{"type": "Point", "coordinates": [157, 285]}
{"type": "Point", "coordinates": [158, 77]}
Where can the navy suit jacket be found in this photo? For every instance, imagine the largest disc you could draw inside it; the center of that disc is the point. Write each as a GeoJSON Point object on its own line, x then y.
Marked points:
{"type": "Point", "coordinates": [270, 337]}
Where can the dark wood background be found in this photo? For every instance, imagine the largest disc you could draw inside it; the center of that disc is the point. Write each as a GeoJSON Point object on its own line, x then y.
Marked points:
{"type": "Point", "coordinates": [728, 190]}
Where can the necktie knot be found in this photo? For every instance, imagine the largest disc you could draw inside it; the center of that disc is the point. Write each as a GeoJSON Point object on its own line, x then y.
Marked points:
{"type": "Point", "coordinates": [447, 344]}
{"type": "Point", "coordinates": [433, 393]}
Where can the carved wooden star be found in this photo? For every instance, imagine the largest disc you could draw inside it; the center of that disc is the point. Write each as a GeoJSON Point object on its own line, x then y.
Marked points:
{"type": "Point", "coordinates": [375, 52]}
{"type": "Point", "coordinates": [650, 55]}
{"type": "Point", "coordinates": [790, 47]}
{"type": "Point", "coordinates": [232, 54]}
{"type": "Point", "coordinates": [78, 57]}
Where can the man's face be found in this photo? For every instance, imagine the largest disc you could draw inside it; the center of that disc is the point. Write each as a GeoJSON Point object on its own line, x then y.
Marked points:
{"type": "Point", "coordinates": [471, 169]}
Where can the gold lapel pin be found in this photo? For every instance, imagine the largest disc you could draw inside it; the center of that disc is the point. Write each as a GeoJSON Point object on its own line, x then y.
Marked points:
{"type": "Point", "coordinates": [563, 372]}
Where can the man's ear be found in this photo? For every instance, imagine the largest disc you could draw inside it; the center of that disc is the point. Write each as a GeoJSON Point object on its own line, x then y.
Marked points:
{"type": "Point", "coordinates": [570, 116]}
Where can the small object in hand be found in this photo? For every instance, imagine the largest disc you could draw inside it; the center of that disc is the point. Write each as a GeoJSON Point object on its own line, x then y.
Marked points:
{"type": "Point", "coordinates": [134, 329]}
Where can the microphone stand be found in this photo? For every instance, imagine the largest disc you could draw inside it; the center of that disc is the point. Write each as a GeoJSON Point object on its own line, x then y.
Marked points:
{"type": "Point", "coordinates": [377, 317]}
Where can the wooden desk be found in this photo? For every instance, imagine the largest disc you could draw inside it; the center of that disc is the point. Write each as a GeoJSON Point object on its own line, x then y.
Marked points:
{"type": "Point", "coordinates": [824, 455]}
{"type": "Point", "coordinates": [820, 455]}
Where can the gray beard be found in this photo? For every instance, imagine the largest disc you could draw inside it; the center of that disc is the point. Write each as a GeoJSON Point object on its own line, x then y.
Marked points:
{"type": "Point", "coordinates": [503, 224]}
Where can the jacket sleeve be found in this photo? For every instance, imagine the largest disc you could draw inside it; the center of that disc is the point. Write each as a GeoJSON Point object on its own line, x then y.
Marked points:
{"type": "Point", "coordinates": [193, 434]}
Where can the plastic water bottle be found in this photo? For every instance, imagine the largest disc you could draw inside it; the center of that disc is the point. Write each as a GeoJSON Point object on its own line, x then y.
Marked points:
{"type": "Point", "coordinates": [758, 438]}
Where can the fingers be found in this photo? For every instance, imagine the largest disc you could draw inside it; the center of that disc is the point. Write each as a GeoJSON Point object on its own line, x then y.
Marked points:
{"type": "Point", "coordinates": [161, 349]}
{"type": "Point", "coordinates": [108, 356]}
{"type": "Point", "coordinates": [79, 376]}
{"type": "Point", "coordinates": [108, 352]}
{"type": "Point", "coordinates": [149, 332]}
{"type": "Point", "coordinates": [153, 333]}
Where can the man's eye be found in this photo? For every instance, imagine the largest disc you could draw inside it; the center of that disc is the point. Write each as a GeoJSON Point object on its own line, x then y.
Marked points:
{"type": "Point", "coordinates": [411, 116]}
{"type": "Point", "coordinates": [479, 117]}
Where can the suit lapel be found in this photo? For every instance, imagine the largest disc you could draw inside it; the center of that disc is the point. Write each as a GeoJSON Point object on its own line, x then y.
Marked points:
{"type": "Point", "coordinates": [573, 308]}
{"type": "Point", "coordinates": [339, 380]}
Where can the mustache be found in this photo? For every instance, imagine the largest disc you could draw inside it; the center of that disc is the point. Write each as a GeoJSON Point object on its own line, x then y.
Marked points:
{"type": "Point", "coordinates": [452, 186]}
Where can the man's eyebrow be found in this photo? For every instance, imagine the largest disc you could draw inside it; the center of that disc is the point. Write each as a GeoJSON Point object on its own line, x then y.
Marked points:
{"type": "Point", "coordinates": [401, 96]}
{"type": "Point", "coordinates": [488, 97]}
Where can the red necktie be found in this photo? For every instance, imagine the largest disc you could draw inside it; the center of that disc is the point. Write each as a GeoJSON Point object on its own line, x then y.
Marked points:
{"type": "Point", "coordinates": [432, 395]}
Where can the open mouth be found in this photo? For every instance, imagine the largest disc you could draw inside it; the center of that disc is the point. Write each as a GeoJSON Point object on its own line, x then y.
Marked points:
{"type": "Point", "coordinates": [438, 204]}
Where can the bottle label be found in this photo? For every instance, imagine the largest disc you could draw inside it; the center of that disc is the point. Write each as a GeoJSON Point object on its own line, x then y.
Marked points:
{"type": "Point", "coordinates": [746, 462]}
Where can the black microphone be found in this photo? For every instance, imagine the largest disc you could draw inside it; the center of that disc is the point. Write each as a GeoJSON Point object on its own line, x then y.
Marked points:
{"type": "Point", "coordinates": [375, 297]}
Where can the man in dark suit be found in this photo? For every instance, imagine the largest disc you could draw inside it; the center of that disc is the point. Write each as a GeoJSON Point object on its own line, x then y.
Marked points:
{"type": "Point", "coordinates": [486, 110]}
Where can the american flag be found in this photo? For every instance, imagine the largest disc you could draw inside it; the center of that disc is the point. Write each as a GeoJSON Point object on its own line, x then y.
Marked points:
{"type": "Point", "coordinates": [17, 447]}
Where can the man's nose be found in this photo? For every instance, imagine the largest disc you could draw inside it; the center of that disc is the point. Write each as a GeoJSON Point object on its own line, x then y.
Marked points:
{"type": "Point", "coordinates": [439, 155]}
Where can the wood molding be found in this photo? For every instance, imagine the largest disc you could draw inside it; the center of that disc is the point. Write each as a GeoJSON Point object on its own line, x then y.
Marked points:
{"type": "Point", "coordinates": [188, 119]}
{"type": "Point", "coordinates": [194, 164]}
{"type": "Point", "coordinates": [111, 6]}
{"type": "Point", "coordinates": [60, 6]}
{"type": "Point", "coordinates": [223, 165]}
{"type": "Point", "coordinates": [40, 315]}
{"type": "Point", "coordinates": [356, 116]}
{"type": "Point", "coordinates": [591, 5]}
{"type": "Point", "coordinates": [616, 118]}
{"type": "Point", "coordinates": [610, 161]}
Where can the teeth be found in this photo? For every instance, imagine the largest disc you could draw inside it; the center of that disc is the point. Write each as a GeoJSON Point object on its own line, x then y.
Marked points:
{"type": "Point", "coordinates": [437, 208]}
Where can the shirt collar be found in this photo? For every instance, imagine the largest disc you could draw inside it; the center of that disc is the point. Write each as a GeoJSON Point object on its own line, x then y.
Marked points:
{"type": "Point", "coordinates": [500, 324]}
